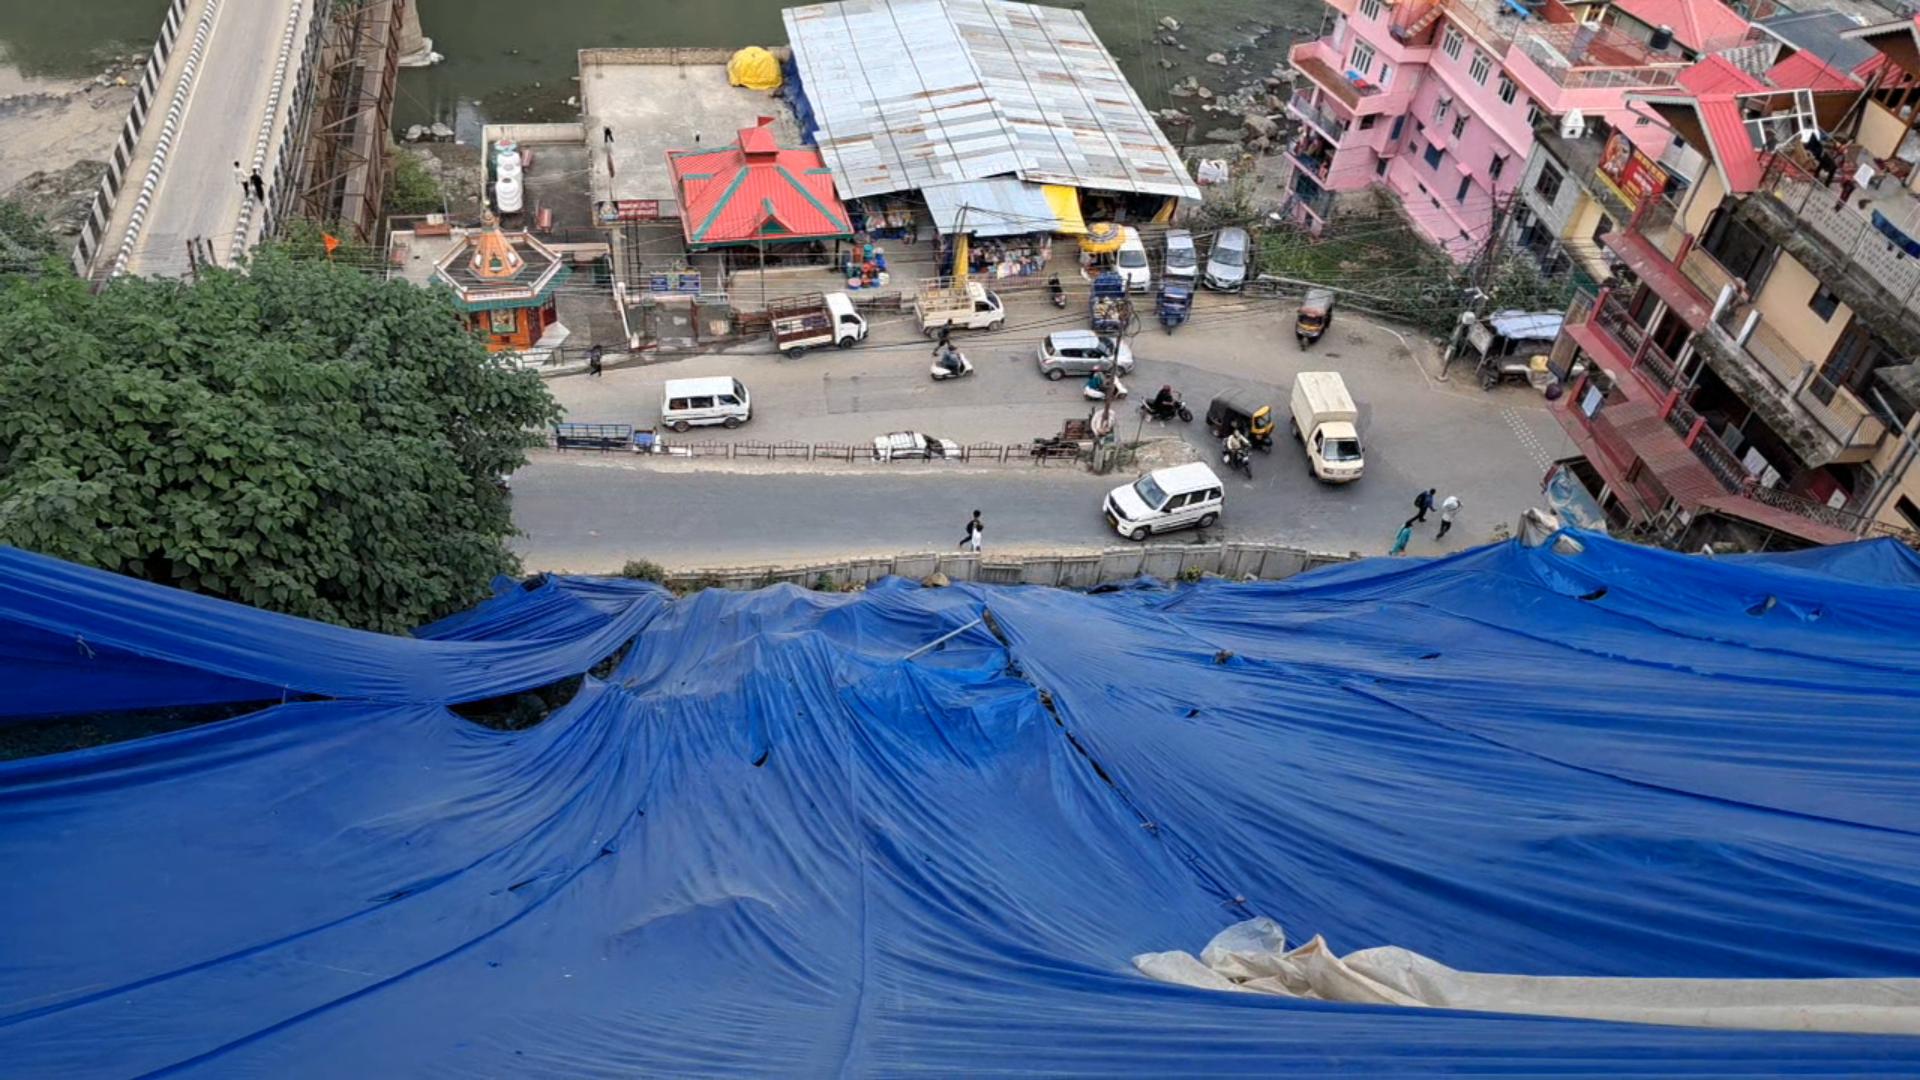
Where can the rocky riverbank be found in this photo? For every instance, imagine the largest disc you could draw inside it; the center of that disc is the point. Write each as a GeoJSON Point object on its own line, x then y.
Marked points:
{"type": "Point", "coordinates": [56, 135]}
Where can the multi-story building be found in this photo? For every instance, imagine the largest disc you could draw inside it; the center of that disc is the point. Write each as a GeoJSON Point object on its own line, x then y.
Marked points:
{"type": "Point", "coordinates": [1438, 100]}
{"type": "Point", "coordinates": [1747, 369]}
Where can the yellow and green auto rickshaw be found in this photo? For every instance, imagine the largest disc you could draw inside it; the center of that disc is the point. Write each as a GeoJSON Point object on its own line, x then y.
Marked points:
{"type": "Point", "coordinates": [1244, 410]}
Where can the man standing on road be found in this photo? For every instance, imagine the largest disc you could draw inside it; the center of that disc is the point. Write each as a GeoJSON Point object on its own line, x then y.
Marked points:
{"type": "Point", "coordinates": [259, 186]}
{"type": "Point", "coordinates": [606, 134]}
{"type": "Point", "coordinates": [593, 361]}
{"type": "Point", "coordinates": [240, 177]}
{"type": "Point", "coordinates": [1448, 508]}
{"type": "Point", "coordinates": [974, 528]}
{"type": "Point", "coordinates": [1422, 503]}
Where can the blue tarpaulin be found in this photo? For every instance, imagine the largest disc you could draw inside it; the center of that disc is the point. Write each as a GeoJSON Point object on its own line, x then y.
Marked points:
{"type": "Point", "coordinates": [767, 844]}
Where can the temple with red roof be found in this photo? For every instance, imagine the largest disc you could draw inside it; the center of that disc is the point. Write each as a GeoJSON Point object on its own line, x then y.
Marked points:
{"type": "Point", "coordinates": [755, 192]}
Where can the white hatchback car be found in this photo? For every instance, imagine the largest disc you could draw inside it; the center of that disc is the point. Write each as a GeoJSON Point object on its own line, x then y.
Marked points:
{"type": "Point", "coordinates": [1082, 352]}
{"type": "Point", "coordinates": [1131, 261]}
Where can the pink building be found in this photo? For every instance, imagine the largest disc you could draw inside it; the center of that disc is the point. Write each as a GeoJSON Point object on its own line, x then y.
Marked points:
{"type": "Point", "coordinates": [1437, 100]}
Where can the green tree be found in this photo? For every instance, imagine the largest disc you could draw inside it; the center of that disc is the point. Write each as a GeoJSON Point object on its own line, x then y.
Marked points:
{"type": "Point", "coordinates": [301, 436]}
{"type": "Point", "coordinates": [414, 191]}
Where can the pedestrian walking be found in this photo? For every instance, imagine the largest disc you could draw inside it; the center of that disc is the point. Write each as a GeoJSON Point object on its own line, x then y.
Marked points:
{"type": "Point", "coordinates": [975, 527]}
{"type": "Point", "coordinates": [593, 361]}
{"type": "Point", "coordinates": [1422, 503]}
{"type": "Point", "coordinates": [240, 176]}
{"type": "Point", "coordinates": [1449, 507]}
{"type": "Point", "coordinates": [1401, 539]}
{"type": "Point", "coordinates": [259, 186]}
{"type": "Point", "coordinates": [606, 135]}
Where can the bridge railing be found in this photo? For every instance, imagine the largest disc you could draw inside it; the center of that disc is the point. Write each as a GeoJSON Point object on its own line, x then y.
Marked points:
{"type": "Point", "coordinates": [100, 211]}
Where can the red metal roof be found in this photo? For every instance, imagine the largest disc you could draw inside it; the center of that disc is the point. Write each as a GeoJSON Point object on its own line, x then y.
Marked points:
{"type": "Point", "coordinates": [755, 191]}
{"type": "Point", "coordinates": [1696, 24]}
{"type": "Point", "coordinates": [1718, 75]}
{"type": "Point", "coordinates": [1652, 266]}
{"type": "Point", "coordinates": [1739, 162]}
{"type": "Point", "coordinates": [1805, 71]}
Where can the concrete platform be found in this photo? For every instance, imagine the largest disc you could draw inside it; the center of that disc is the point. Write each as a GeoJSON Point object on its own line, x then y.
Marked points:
{"type": "Point", "coordinates": [657, 100]}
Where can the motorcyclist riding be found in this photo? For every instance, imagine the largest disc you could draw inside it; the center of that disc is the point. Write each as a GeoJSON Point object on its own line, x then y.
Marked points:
{"type": "Point", "coordinates": [949, 356]}
{"type": "Point", "coordinates": [1237, 442]}
{"type": "Point", "coordinates": [1163, 402]}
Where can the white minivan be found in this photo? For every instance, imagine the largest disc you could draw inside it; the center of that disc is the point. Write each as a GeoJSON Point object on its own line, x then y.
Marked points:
{"type": "Point", "coordinates": [1132, 262]}
{"type": "Point", "coordinates": [1166, 499]}
{"type": "Point", "coordinates": [686, 403]}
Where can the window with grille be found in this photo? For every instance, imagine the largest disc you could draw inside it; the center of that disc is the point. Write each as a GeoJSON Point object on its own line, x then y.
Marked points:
{"type": "Point", "coordinates": [1548, 185]}
{"type": "Point", "coordinates": [1450, 43]}
{"type": "Point", "coordinates": [1433, 157]}
{"type": "Point", "coordinates": [1508, 91]}
{"type": "Point", "coordinates": [1370, 8]}
{"type": "Point", "coordinates": [1361, 59]}
{"type": "Point", "coordinates": [1497, 166]}
{"type": "Point", "coordinates": [1460, 125]}
{"type": "Point", "coordinates": [1534, 115]}
{"type": "Point", "coordinates": [1479, 69]}
{"type": "Point", "coordinates": [1440, 109]}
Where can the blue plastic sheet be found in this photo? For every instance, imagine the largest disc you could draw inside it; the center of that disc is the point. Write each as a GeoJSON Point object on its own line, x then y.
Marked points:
{"type": "Point", "coordinates": [767, 845]}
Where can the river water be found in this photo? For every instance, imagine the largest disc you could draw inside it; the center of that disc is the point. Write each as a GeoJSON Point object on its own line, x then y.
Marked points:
{"type": "Point", "coordinates": [515, 59]}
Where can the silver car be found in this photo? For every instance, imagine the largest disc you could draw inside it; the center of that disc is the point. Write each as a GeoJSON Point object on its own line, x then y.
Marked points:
{"type": "Point", "coordinates": [1227, 262]}
{"type": "Point", "coordinates": [1081, 352]}
{"type": "Point", "coordinates": [1182, 263]}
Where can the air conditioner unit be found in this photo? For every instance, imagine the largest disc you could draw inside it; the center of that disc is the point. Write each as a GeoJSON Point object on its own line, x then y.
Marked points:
{"type": "Point", "coordinates": [1573, 125]}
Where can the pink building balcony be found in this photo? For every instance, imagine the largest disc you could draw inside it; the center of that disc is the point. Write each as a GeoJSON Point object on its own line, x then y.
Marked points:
{"type": "Point", "coordinates": [1564, 67]}
{"type": "Point", "coordinates": [1319, 63]}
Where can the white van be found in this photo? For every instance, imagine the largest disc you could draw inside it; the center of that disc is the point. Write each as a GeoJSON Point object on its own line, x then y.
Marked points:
{"type": "Point", "coordinates": [1132, 262]}
{"type": "Point", "coordinates": [685, 403]}
{"type": "Point", "coordinates": [1166, 499]}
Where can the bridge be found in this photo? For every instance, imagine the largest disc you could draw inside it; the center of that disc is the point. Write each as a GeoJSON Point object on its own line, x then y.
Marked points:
{"type": "Point", "coordinates": [298, 91]}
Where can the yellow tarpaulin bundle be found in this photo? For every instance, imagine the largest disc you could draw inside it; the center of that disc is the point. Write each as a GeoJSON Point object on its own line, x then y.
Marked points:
{"type": "Point", "coordinates": [1065, 204]}
{"type": "Point", "coordinates": [754, 68]}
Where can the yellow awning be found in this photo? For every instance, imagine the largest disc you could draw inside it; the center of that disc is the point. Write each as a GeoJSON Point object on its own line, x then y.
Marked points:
{"type": "Point", "coordinates": [1065, 204]}
{"type": "Point", "coordinates": [1102, 238]}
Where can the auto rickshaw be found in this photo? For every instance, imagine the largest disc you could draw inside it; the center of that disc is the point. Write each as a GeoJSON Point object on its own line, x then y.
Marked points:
{"type": "Point", "coordinates": [1315, 313]}
{"type": "Point", "coordinates": [1174, 306]}
{"type": "Point", "coordinates": [1244, 410]}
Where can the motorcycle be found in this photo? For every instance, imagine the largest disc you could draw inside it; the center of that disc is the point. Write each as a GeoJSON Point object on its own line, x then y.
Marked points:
{"type": "Point", "coordinates": [952, 364]}
{"type": "Point", "coordinates": [1239, 459]}
{"type": "Point", "coordinates": [1155, 411]}
{"type": "Point", "coordinates": [1056, 291]}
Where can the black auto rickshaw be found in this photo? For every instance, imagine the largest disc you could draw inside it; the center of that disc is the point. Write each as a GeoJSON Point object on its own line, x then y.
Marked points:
{"type": "Point", "coordinates": [1244, 410]}
{"type": "Point", "coordinates": [1315, 313]}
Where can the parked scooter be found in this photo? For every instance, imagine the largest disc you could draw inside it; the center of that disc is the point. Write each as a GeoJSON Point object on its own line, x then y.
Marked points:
{"type": "Point", "coordinates": [1096, 386]}
{"type": "Point", "coordinates": [1166, 405]}
{"type": "Point", "coordinates": [1495, 372]}
{"type": "Point", "coordinates": [1056, 291]}
{"type": "Point", "coordinates": [950, 363]}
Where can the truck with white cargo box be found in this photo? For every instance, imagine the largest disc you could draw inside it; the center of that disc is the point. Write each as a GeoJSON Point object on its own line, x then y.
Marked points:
{"type": "Point", "coordinates": [815, 321]}
{"type": "Point", "coordinates": [942, 304]}
{"type": "Point", "coordinates": [1324, 419]}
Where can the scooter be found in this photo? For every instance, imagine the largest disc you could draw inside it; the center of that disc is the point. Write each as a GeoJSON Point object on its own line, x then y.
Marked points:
{"type": "Point", "coordinates": [1493, 373]}
{"type": "Point", "coordinates": [1057, 292]}
{"type": "Point", "coordinates": [1238, 459]}
{"type": "Point", "coordinates": [1096, 393]}
{"type": "Point", "coordinates": [959, 368]}
{"type": "Point", "coordinates": [1151, 408]}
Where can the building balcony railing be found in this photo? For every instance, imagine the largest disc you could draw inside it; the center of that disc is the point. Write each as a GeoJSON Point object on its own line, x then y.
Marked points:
{"type": "Point", "coordinates": [1319, 63]}
{"type": "Point", "coordinates": [1865, 256]}
{"type": "Point", "coordinates": [1311, 155]}
{"type": "Point", "coordinates": [1327, 123]}
{"type": "Point", "coordinates": [1658, 373]}
{"type": "Point", "coordinates": [1578, 58]}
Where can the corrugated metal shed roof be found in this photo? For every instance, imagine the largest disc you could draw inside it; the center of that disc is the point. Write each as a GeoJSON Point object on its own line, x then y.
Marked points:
{"type": "Point", "coordinates": [913, 93]}
{"type": "Point", "coordinates": [1001, 206]}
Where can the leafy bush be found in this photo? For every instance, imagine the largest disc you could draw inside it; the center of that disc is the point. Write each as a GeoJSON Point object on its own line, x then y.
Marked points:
{"type": "Point", "coordinates": [643, 570]}
{"type": "Point", "coordinates": [301, 437]}
{"type": "Point", "coordinates": [414, 189]}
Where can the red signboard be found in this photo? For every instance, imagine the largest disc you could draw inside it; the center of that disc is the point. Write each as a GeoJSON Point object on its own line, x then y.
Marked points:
{"type": "Point", "coordinates": [1629, 172]}
{"type": "Point", "coordinates": [636, 210]}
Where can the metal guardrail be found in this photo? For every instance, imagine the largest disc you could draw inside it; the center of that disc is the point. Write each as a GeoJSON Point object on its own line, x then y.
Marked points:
{"type": "Point", "coordinates": [618, 438]}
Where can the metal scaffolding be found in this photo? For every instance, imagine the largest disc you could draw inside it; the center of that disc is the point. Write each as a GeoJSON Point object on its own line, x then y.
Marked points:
{"type": "Point", "coordinates": [345, 129]}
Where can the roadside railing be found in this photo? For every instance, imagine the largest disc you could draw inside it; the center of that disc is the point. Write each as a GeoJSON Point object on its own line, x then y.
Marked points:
{"type": "Point", "coordinates": [618, 438]}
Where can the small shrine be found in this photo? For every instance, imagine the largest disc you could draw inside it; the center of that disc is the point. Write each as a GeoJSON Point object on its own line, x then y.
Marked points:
{"type": "Point", "coordinates": [505, 283]}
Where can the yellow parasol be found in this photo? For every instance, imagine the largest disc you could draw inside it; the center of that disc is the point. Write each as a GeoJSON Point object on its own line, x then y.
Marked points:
{"type": "Point", "coordinates": [1103, 238]}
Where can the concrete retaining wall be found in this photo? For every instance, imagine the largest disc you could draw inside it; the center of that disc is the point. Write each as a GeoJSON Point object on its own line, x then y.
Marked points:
{"type": "Point", "coordinates": [1168, 562]}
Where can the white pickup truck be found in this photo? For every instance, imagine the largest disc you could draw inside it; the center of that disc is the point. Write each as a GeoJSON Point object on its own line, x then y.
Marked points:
{"type": "Point", "coordinates": [815, 321]}
{"type": "Point", "coordinates": [1323, 420]}
{"type": "Point", "coordinates": [939, 304]}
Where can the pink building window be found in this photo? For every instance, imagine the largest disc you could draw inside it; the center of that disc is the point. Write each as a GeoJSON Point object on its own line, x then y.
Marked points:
{"type": "Point", "coordinates": [1450, 43]}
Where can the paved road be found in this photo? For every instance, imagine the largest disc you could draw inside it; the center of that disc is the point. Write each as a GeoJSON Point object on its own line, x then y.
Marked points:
{"type": "Point", "coordinates": [198, 195]}
{"type": "Point", "coordinates": [589, 512]}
